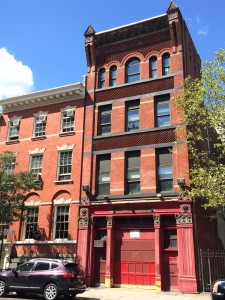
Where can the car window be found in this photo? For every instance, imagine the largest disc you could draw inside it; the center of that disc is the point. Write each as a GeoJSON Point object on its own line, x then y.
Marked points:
{"type": "Point", "coordinates": [25, 267]}
{"type": "Point", "coordinates": [42, 266]}
{"type": "Point", "coordinates": [72, 267]}
{"type": "Point", "coordinates": [54, 266]}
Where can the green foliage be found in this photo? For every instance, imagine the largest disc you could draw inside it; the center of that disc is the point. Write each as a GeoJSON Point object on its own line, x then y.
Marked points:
{"type": "Point", "coordinates": [202, 105]}
{"type": "Point", "coordinates": [13, 189]}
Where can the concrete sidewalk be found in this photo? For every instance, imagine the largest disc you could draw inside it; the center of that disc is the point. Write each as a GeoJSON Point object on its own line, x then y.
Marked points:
{"type": "Point", "coordinates": [102, 293]}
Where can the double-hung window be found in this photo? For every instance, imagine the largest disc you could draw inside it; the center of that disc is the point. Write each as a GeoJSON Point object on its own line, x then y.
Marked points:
{"type": "Point", "coordinates": [103, 174]}
{"type": "Point", "coordinates": [112, 76]}
{"type": "Point", "coordinates": [14, 128]}
{"type": "Point", "coordinates": [36, 163]}
{"type": "Point", "coordinates": [67, 122]}
{"type": "Point", "coordinates": [133, 119]}
{"type": "Point", "coordinates": [133, 70]}
{"type": "Point", "coordinates": [65, 165]}
{"type": "Point", "coordinates": [162, 110]}
{"type": "Point", "coordinates": [101, 78]}
{"type": "Point", "coordinates": [104, 126]}
{"type": "Point", "coordinates": [10, 166]}
{"type": "Point", "coordinates": [166, 64]}
{"type": "Point", "coordinates": [39, 125]}
{"type": "Point", "coordinates": [61, 221]}
{"type": "Point", "coordinates": [31, 221]}
{"type": "Point", "coordinates": [153, 67]}
{"type": "Point", "coordinates": [164, 170]}
{"type": "Point", "coordinates": [133, 172]}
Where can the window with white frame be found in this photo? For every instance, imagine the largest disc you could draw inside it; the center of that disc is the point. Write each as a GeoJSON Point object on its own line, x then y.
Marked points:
{"type": "Point", "coordinates": [39, 125]}
{"type": "Point", "coordinates": [14, 128]}
{"type": "Point", "coordinates": [67, 122]}
{"type": "Point", "coordinates": [36, 163]}
{"type": "Point", "coordinates": [61, 221]}
{"type": "Point", "coordinates": [10, 167]}
{"type": "Point", "coordinates": [31, 221]}
{"type": "Point", "coordinates": [3, 226]}
{"type": "Point", "coordinates": [65, 165]}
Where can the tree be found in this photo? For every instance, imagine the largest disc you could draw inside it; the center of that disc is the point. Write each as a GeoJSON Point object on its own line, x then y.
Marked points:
{"type": "Point", "coordinates": [202, 107]}
{"type": "Point", "coordinates": [13, 189]}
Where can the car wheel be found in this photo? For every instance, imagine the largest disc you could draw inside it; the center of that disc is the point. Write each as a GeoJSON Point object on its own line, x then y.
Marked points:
{"type": "Point", "coordinates": [51, 291]}
{"type": "Point", "coordinates": [2, 288]}
{"type": "Point", "coordinates": [70, 295]}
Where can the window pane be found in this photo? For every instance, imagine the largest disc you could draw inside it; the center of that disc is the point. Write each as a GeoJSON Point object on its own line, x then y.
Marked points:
{"type": "Point", "coordinates": [133, 174]}
{"type": "Point", "coordinates": [104, 189]}
{"type": "Point", "coordinates": [166, 185]}
{"type": "Point", "coordinates": [31, 222]}
{"type": "Point", "coordinates": [165, 172]}
{"type": "Point", "coordinates": [133, 119]}
{"type": "Point", "coordinates": [106, 118]}
{"type": "Point", "coordinates": [163, 109]}
{"type": "Point", "coordinates": [163, 121]}
{"type": "Point", "coordinates": [104, 177]}
{"type": "Point", "coordinates": [62, 222]}
{"type": "Point", "coordinates": [133, 187]}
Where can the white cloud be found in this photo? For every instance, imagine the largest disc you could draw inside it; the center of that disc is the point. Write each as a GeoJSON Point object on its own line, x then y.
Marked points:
{"type": "Point", "coordinates": [203, 31]}
{"type": "Point", "coordinates": [198, 19]}
{"type": "Point", "coordinates": [15, 78]}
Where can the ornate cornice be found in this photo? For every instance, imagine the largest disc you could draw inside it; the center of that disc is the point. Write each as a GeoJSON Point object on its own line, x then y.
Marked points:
{"type": "Point", "coordinates": [133, 30]}
{"type": "Point", "coordinates": [42, 98]}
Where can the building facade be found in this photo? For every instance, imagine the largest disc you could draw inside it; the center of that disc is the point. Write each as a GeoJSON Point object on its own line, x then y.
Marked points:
{"type": "Point", "coordinates": [45, 131]}
{"type": "Point", "coordinates": [112, 163]}
{"type": "Point", "coordinates": [136, 228]}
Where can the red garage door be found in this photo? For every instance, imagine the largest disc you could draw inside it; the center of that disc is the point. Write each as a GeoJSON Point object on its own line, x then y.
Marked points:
{"type": "Point", "coordinates": [134, 257]}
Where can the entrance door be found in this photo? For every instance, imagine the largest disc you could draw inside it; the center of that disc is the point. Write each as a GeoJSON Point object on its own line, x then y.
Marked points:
{"type": "Point", "coordinates": [170, 271]}
{"type": "Point", "coordinates": [100, 266]}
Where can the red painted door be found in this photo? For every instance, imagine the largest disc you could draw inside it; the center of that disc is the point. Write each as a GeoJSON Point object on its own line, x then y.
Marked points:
{"type": "Point", "coordinates": [100, 266]}
{"type": "Point", "coordinates": [170, 271]}
{"type": "Point", "coordinates": [134, 257]}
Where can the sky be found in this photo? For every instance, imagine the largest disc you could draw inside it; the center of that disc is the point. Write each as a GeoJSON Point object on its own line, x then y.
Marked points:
{"type": "Point", "coordinates": [42, 41]}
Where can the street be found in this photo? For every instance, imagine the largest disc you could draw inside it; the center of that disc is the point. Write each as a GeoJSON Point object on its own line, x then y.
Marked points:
{"type": "Point", "coordinates": [102, 293]}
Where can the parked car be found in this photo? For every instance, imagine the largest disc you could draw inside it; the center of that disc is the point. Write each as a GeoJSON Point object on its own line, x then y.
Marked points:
{"type": "Point", "coordinates": [50, 277]}
{"type": "Point", "coordinates": [218, 290]}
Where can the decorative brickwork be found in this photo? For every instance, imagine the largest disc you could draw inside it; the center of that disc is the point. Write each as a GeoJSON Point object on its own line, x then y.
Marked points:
{"type": "Point", "coordinates": [135, 89]}
{"type": "Point", "coordinates": [134, 140]}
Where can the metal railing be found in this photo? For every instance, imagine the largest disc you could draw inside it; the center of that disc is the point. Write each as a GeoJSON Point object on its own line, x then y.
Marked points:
{"type": "Point", "coordinates": [212, 267]}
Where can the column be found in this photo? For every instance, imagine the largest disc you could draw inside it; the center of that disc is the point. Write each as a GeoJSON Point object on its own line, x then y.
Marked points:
{"type": "Point", "coordinates": [158, 278]}
{"type": "Point", "coordinates": [186, 252]}
{"type": "Point", "coordinates": [109, 253]}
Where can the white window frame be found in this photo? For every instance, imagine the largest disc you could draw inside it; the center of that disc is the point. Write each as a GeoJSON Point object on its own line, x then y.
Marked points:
{"type": "Point", "coordinates": [67, 117]}
{"type": "Point", "coordinates": [60, 203]}
{"type": "Point", "coordinates": [14, 124]}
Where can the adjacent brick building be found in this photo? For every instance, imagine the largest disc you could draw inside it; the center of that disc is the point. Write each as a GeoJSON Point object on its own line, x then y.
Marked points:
{"type": "Point", "coordinates": [107, 160]}
{"type": "Point", "coordinates": [45, 131]}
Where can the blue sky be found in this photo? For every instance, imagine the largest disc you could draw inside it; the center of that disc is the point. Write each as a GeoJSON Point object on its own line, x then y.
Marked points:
{"type": "Point", "coordinates": [42, 41]}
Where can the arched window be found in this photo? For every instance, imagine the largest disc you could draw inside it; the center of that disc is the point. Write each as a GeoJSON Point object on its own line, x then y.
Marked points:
{"type": "Point", "coordinates": [112, 76]}
{"type": "Point", "coordinates": [153, 67]}
{"type": "Point", "coordinates": [133, 70]}
{"type": "Point", "coordinates": [101, 78]}
{"type": "Point", "coordinates": [166, 64]}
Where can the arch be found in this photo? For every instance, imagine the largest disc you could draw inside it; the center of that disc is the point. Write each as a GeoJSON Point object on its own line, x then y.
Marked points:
{"type": "Point", "coordinates": [131, 56]}
{"type": "Point", "coordinates": [101, 78]}
{"type": "Point", "coordinates": [132, 70]}
{"type": "Point", "coordinates": [112, 75]}
{"type": "Point", "coordinates": [153, 66]}
{"type": "Point", "coordinates": [166, 63]}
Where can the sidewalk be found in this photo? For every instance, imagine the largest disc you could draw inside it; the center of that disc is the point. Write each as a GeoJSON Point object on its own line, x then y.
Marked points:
{"type": "Point", "coordinates": [102, 293]}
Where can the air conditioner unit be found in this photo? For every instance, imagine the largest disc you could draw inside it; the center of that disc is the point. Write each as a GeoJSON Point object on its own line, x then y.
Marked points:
{"type": "Point", "coordinates": [69, 113]}
{"type": "Point", "coordinates": [37, 177]}
{"type": "Point", "coordinates": [42, 118]}
{"type": "Point", "coordinates": [16, 122]}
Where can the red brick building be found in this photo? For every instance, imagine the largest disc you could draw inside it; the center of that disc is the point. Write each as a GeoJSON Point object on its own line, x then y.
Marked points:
{"type": "Point", "coordinates": [134, 227]}
{"type": "Point", "coordinates": [45, 131]}
{"type": "Point", "coordinates": [107, 160]}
